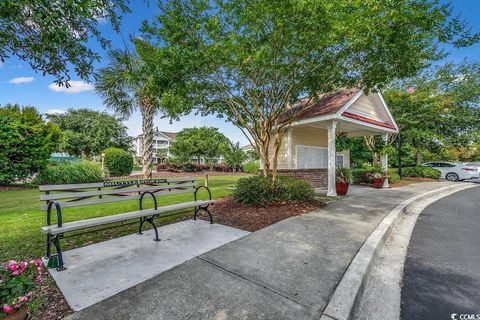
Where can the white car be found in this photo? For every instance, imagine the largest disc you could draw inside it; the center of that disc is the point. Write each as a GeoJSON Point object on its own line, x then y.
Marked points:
{"type": "Point", "coordinates": [454, 171]}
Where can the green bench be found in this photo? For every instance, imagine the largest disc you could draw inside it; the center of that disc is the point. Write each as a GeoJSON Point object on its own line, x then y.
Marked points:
{"type": "Point", "coordinates": [60, 197]}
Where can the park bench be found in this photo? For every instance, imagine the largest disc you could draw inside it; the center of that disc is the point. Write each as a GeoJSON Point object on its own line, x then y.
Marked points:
{"type": "Point", "coordinates": [74, 195]}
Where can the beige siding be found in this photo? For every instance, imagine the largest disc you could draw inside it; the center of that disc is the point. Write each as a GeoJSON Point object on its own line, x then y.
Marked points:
{"type": "Point", "coordinates": [306, 136]}
{"type": "Point", "coordinates": [364, 105]}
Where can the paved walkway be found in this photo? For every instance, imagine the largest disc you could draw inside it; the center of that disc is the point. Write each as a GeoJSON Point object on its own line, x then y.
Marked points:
{"type": "Point", "coordinates": [442, 271]}
{"type": "Point", "coordinates": [285, 271]}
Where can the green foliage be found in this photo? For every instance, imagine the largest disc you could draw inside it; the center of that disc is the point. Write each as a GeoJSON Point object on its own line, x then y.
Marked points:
{"type": "Point", "coordinates": [196, 143]}
{"type": "Point", "coordinates": [361, 175]}
{"type": "Point", "coordinates": [393, 175]}
{"type": "Point", "coordinates": [71, 172]}
{"type": "Point", "coordinates": [118, 162]}
{"type": "Point", "coordinates": [127, 85]}
{"type": "Point", "coordinates": [260, 191]}
{"type": "Point", "coordinates": [251, 167]}
{"type": "Point", "coordinates": [289, 188]}
{"type": "Point", "coordinates": [26, 142]}
{"type": "Point", "coordinates": [87, 132]}
{"type": "Point", "coordinates": [18, 282]}
{"type": "Point", "coordinates": [248, 61]}
{"type": "Point", "coordinates": [344, 175]}
{"type": "Point", "coordinates": [52, 36]}
{"type": "Point", "coordinates": [421, 172]}
{"type": "Point", "coordinates": [437, 110]}
{"type": "Point", "coordinates": [234, 156]}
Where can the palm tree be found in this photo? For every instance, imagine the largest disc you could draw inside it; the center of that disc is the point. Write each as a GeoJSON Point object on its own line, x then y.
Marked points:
{"type": "Point", "coordinates": [124, 87]}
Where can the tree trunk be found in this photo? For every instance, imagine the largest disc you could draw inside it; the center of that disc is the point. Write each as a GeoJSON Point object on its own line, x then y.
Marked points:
{"type": "Point", "coordinates": [148, 112]}
{"type": "Point", "coordinates": [419, 157]}
{"type": "Point", "coordinates": [276, 147]}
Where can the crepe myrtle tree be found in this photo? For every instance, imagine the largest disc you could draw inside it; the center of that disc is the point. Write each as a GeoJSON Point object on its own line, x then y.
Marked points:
{"type": "Point", "coordinates": [250, 61]}
{"type": "Point", "coordinates": [125, 86]}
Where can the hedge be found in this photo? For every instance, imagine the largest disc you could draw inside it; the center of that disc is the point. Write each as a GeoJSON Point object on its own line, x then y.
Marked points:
{"type": "Point", "coordinates": [421, 172]}
{"type": "Point", "coordinates": [118, 162]}
{"type": "Point", "coordinates": [360, 174]}
{"type": "Point", "coordinates": [70, 172]}
{"type": "Point", "coordinates": [251, 167]}
{"type": "Point", "coordinates": [259, 190]}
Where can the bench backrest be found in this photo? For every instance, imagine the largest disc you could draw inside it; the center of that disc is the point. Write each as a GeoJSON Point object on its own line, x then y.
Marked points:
{"type": "Point", "coordinates": [73, 195]}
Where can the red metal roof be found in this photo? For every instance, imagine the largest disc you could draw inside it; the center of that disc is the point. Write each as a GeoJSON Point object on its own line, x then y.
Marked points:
{"type": "Point", "coordinates": [368, 120]}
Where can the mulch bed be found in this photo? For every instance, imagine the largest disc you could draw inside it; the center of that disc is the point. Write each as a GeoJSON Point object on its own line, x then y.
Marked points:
{"type": "Point", "coordinates": [227, 212]}
{"type": "Point", "coordinates": [53, 305]}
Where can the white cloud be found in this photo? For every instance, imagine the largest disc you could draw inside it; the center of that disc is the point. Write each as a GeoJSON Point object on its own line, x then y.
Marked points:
{"type": "Point", "coordinates": [21, 80]}
{"type": "Point", "coordinates": [55, 111]}
{"type": "Point", "coordinates": [75, 87]}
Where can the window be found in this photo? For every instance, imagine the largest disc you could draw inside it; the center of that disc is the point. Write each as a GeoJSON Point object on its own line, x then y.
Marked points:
{"type": "Point", "coordinates": [339, 162]}
{"type": "Point", "coordinates": [311, 157]}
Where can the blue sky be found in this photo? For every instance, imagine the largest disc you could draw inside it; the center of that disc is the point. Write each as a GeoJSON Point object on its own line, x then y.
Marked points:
{"type": "Point", "coordinates": [20, 84]}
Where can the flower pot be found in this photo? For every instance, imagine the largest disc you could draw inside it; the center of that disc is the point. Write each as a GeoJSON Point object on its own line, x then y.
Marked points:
{"type": "Point", "coordinates": [20, 314]}
{"type": "Point", "coordinates": [342, 188]}
{"type": "Point", "coordinates": [378, 183]}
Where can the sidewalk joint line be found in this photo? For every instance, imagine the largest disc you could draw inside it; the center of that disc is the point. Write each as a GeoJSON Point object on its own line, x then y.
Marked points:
{"type": "Point", "coordinates": [258, 284]}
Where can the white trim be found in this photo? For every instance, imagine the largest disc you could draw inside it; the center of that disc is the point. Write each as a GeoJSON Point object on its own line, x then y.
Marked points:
{"type": "Point", "coordinates": [329, 116]}
{"type": "Point", "coordinates": [289, 148]}
{"type": "Point", "coordinates": [349, 103]}
{"type": "Point", "coordinates": [366, 124]}
{"type": "Point", "coordinates": [388, 110]}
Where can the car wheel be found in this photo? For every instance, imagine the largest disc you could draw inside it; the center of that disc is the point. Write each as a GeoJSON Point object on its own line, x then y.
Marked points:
{"type": "Point", "coordinates": [452, 176]}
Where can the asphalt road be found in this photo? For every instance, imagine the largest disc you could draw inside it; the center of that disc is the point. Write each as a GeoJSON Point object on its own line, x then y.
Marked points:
{"type": "Point", "coordinates": [442, 270]}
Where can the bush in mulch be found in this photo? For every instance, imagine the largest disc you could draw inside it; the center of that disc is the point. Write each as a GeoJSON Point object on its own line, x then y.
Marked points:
{"type": "Point", "coordinates": [228, 212]}
{"type": "Point", "coordinates": [260, 191]}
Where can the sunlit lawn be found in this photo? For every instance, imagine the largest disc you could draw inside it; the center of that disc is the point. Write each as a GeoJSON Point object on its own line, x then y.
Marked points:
{"type": "Point", "coordinates": [21, 218]}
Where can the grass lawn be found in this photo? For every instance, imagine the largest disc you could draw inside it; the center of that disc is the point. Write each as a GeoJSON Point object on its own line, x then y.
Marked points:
{"type": "Point", "coordinates": [21, 218]}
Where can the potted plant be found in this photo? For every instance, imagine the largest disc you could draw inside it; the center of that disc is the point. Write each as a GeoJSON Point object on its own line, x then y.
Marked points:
{"type": "Point", "coordinates": [377, 179]}
{"type": "Point", "coordinates": [343, 179]}
{"type": "Point", "coordinates": [18, 281]}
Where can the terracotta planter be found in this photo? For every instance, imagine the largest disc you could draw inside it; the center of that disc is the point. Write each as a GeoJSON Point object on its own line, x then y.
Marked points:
{"type": "Point", "coordinates": [20, 314]}
{"type": "Point", "coordinates": [342, 188]}
{"type": "Point", "coordinates": [378, 183]}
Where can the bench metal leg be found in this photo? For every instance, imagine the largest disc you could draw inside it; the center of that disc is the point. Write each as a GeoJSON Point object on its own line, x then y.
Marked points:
{"type": "Point", "coordinates": [56, 243]}
{"type": "Point", "coordinates": [49, 246]}
{"type": "Point", "coordinates": [149, 220]}
{"type": "Point", "coordinates": [140, 226]}
{"type": "Point", "coordinates": [205, 208]}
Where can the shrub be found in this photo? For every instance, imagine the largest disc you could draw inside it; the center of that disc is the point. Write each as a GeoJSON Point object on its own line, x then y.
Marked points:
{"type": "Point", "coordinates": [393, 175]}
{"type": "Point", "coordinates": [360, 175]}
{"type": "Point", "coordinates": [222, 167]}
{"type": "Point", "coordinates": [71, 172]}
{"type": "Point", "coordinates": [421, 172]}
{"type": "Point", "coordinates": [251, 167]}
{"type": "Point", "coordinates": [118, 162]}
{"type": "Point", "coordinates": [259, 191]}
{"type": "Point", "coordinates": [289, 188]}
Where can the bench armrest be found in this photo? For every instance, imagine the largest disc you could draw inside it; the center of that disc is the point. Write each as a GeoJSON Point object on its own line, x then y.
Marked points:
{"type": "Point", "coordinates": [153, 196]}
{"type": "Point", "coordinates": [199, 187]}
{"type": "Point", "coordinates": [59, 213]}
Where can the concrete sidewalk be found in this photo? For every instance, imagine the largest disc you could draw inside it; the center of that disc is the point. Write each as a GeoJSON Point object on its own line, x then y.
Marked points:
{"type": "Point", "coordinates": [286, 271]}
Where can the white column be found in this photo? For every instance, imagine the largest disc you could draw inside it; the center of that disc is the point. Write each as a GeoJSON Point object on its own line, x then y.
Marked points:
{"type": "Point", "coordinates": [331, 189]}
{"type": "Point", "coordinates": [289, 148]}
{"type": "Point", "coordinates": [384, 160]}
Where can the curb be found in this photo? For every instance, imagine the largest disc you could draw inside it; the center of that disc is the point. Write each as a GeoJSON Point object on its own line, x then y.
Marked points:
{"type": "Point", "coordinates": [343, 301]}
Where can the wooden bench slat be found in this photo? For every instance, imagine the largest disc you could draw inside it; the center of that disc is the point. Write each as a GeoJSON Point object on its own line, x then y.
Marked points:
{"type": "Point", "coordinates": [113, 199]}
{"type": "Point", "coordinates": [94, 222]}
{"type": "Point", "coordinates": [81, 194]}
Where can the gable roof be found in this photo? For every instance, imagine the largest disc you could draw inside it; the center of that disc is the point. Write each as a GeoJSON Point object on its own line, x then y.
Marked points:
{"type": "Point", "coordinates": [338, 105]}
{"type": "Point", "coordinates": [171, 135]}
{"type": "Point", "coordinates": [330, 103]}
